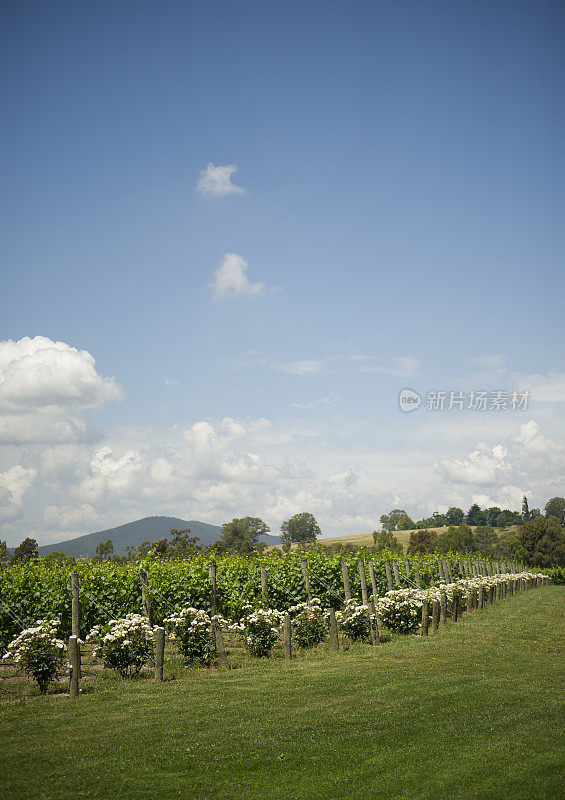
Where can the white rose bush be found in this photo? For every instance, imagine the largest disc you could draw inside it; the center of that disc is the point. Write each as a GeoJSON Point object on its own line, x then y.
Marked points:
{"type": "Point", "coordinates": [309, 624]}
{"type": "Point", "coordinates": [192, 630]}
{"type": "Point", "coordinates": [355, 621]}
{"type": "Point", "coordinates": [39, 652]}
{"type": "Point", "coordinates": [123, 644]}
{"type": "Point", "coordinates": [259, 628]}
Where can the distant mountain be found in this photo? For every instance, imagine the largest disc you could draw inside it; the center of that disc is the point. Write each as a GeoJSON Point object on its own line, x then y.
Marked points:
{"type": "Point", "coordinates": [149, 529]}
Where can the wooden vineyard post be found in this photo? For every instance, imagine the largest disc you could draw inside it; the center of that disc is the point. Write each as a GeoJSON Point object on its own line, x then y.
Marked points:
{"type": "Point", "coordinates": [470, 600]}
{"type": "Point", "coordinates": [334, 638]}
{"type": "Point", "coordinates": [442, 577]}
{"type": "Point", "coordinates": [75, 665]}
{"type": "Point", "coordinates": [146, 607]}
{"type": "Point", "coordinates": [435, 615]}
{"type": "Point", "coordinates": [480, 593]}
{"type": "Point", "coordinates": [373, 579]}
{"type": "Point", "coordinates": [431, 571]}
{"type": "Point", "coordinates": [455, 607]}
{"type": "Point", "coordinates": [447, 570]}
{"type": "Point", "coordinates": [425, 618]}
{"type": "Point", "coordinates": [304, 566]}
{"type": "Point", "coordinates": [287, 637]}
{"type": "Point", "coordinates": [75, 614]}
{"type": "Point", "coordinates": [159, 652]}
{"type": "Point", "coordinates": [212, 579]}
{"type": "Point", "coordinates": [373, 624]}
{"type": "Point", "coordinates": [417, 577]}
{"type": "Point", "coordinates": [443, 608]}
{"type": "Point", "coordinates": [264, 586]}
{"type": "Point", "coordinates": [490, 595]}
{"type": "Point", "coordinates": [217, 634]}
{"type": "Point", "coordinates": [388, 575]}
{"type": "Point", "coordinates": [407, 567]}
{"type": "Point", "coordinates": [363, 579]}
{"type": "Point", "coordinates": [346, 584]}
{"type": "Point", "coordinates": [145, 597]}
{"type": "Point", "coordinates": [220, 648]}
{"type": "Point", "coordinates": [396, 573]}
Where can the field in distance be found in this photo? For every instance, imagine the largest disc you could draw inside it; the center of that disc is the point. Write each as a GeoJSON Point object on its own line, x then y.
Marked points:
{"type": "Point", "coordinates": [366, 539]}
{"type": "Point", "coordinates": [359, 540]}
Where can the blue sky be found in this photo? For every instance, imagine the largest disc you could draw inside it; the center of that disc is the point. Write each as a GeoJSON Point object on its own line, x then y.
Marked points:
{"type": "Point", "coordinates": [399, 225]}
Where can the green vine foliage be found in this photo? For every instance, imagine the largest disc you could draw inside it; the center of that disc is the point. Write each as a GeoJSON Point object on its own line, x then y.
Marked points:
{"type": "Point", "coordinates": [112, 590]}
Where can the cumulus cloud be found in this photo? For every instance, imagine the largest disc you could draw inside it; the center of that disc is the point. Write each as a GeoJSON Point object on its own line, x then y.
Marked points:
{"type": "Point", "coordinates": [483, 467]}
{"type": "Point", "coordinates": [14, 483]}
{"type": "Point", "coordinates": [230, 279]}
{"type": "Point", "coordinates": [45, 388]}
{"type": "Point", "coordinates": [526, 462]}
{"type": "Point", "coordinates": [215, 181]}
{"type": "Point", "coordinates": [41, 373]}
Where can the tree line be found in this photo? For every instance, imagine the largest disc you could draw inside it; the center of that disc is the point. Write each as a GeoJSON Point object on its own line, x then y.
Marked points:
{"type": "Point", "coordinates": [495, 517]}
{"type": "Point", "coordinates": [537, 539]}
{"type": "Point", "coordinates": [241, 535]}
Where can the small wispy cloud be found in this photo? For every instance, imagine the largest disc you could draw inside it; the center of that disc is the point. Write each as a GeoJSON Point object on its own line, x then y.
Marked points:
{"type": "Point", "coordinates": [311, 367]}
{"type": "Point", "coordinates": [215, 181]}
{"type": "Point", "coordinates": [398, 367]}
{"type": "Point", "coordinates": [495, 362]}
{"type": "Point", "coordinates": [169, 382]}
{"type": "Point", "coordinates": [230, 279]}
{"type": "Point", "coordinates": [319, 403]}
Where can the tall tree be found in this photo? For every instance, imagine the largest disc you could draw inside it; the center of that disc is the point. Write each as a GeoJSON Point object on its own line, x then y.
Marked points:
{"type": "Point", "coordinates": [492, 514]}
{"type": "Point", "coordinates": [300, 528]}
{"type": "Point", "coordinates": [455, 516]}
{"type": "Point", "coordinates": [525, 509]}
{"type": "Point", "coordinates": [242, 535]}
{"type": "Point", "coordinates": [104, 549]}
{"type": "Point", "coordinates": [397, 520]}
{"type": "Point", "coordinates": [3, 553]}
{"type": "Point", "coordinates": [556, 508]}
{"type": "Point", "coordinates": [181, 545]}
{"type": "Point", "coordinates": [26, 551]}
{"type": "Point", "coordinates": [475, 516]}
{"type": "Point", "coordinates": [544, 540]}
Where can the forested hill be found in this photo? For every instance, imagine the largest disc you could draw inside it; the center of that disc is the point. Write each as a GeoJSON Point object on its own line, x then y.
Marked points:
{"type": "Point", "coordinates": [149, 529]}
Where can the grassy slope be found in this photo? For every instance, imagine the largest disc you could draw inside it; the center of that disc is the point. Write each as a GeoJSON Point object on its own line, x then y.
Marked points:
{"type": "Point", "coordinates": [470, 713]}
{"type": "Point", "coordinates": [366, 539]}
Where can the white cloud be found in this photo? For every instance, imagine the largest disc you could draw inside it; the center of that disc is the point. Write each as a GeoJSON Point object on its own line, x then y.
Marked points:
{"type": "Point", "coordinates": [14, 483]}
{"type": "Point", "coordinates": [45, 388]}
{"type": "Point", "coordinates": [215, 181]}
{"type": "Point", "coordinates": [306, 367]}
{"type": "Point", "coordinates": [548, 388]}
{"type": "Point", "coordinates": [398, 367]}
{"type": "Point", "coordinates": [483, 467]}
{"type": "Point", "coordinates": [526, 462]}
{"type": "Point", "coordinates": [230, 279]}
{"type": "Point", "coordinates": [494, 362]}
{"type": "Point", "coordinates": [319, 403]}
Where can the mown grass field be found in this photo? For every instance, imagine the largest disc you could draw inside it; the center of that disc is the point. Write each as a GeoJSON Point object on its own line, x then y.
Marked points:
{"type": "Point", "coordinates": [473, 712]}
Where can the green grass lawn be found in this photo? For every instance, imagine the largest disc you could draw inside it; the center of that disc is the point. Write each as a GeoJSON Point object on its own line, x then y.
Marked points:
{"type": "Point", "coordinates": [473, 712]}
